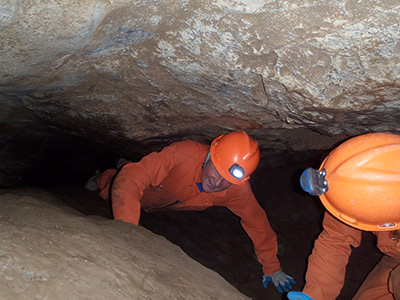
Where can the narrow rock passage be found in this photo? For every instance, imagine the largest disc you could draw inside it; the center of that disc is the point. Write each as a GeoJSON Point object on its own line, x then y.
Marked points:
{"type": "Point", "coordinates": [215, 238]}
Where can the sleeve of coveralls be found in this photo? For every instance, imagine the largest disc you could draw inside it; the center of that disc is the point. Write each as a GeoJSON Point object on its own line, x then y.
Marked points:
{"type": "Point", "coordinates": [327, 263]}
{"type": "Point", "coordinates": [131, 181]}
{"type": "Point", "coordinates": [255, 222]}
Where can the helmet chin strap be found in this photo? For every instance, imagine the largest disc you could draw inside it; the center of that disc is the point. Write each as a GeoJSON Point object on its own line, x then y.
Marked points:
{"type": "Point", "coordinates": [207, 158]}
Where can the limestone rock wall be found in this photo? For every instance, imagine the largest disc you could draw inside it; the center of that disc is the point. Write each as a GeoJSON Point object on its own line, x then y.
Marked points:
{"type": "Point", "coordinates": [53, 252]}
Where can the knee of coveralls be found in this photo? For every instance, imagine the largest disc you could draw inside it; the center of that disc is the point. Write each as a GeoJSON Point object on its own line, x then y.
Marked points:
{"type": "Point", "coordinates": [376, 285]}
{"type": "Point", "coordinates": [394, 282]}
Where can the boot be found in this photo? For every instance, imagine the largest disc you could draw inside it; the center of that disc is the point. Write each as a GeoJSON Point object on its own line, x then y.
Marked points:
{"type": "Point", "coordinates": [91, 184]}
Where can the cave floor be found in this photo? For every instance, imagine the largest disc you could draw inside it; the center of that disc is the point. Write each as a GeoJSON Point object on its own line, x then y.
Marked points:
{"type": "Point", "coordinates": [215, 238]}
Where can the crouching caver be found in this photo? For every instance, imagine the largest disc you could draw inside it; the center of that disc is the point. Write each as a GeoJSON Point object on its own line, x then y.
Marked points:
{"type": "Point", "coordinates": [359, 185]}
{"type": "Point", "coordinates": [192, 176]}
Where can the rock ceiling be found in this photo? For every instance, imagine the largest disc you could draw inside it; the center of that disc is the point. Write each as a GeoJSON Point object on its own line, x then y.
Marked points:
{"type": "Point", "coordinates": [136, 75]}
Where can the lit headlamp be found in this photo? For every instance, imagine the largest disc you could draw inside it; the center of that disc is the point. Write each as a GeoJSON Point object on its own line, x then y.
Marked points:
{"type": "Point", "coordinates": [236, 171]}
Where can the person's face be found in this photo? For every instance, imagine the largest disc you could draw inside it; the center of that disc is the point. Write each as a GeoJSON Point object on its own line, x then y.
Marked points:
{"type": "Point", "coordinates": [211, 180]}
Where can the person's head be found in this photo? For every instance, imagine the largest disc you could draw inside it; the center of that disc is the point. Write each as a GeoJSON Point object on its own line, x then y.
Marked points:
{"type": "Point", "coordinates": [231, 160]}
{"type": "Point", "coordinates": [359, 182]}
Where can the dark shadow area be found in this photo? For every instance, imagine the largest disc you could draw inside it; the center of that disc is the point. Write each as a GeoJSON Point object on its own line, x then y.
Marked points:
{"type": "Point", "coordinates": [213, 237]}
{"type": "Point", "coordinates": [69, 160]}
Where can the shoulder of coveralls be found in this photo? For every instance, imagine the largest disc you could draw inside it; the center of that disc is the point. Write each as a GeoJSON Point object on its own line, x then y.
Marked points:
{"type": "Point", "coordinates": [338, 230]}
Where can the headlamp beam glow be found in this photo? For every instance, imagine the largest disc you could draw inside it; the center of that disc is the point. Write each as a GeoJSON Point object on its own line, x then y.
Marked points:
{"type": "Point", "coordinates": [236, 171]}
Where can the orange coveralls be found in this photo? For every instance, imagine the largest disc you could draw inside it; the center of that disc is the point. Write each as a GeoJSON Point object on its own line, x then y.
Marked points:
{"type": "Point", "coordinates": [327, 263]}
{"type": "Point", "coordinates": [167, 180]}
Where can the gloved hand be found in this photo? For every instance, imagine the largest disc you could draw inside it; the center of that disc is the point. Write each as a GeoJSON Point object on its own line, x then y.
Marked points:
{"type": "Point", "coordinates": [280, 279]}
{"type": "Point", "coordinates": [298, 296]}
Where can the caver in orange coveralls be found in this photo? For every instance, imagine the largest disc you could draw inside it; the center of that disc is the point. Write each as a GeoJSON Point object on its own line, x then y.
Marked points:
{"type": "Point", "coordinates": [359, 184]}
{"type": "Point", "coordinates": [327, 263]}
{"type": "Point", "coordinates": [170, 179]}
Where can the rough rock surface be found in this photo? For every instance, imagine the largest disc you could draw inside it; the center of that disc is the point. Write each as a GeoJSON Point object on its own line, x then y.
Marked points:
{"type": "Point", "coordinates": [54, 252]}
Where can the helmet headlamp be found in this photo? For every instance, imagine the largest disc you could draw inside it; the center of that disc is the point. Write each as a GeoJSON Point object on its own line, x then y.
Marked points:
{"type": "Point", "coordinates": [236, 171]}
{"type": "Point", "coordinates": [313, 182]}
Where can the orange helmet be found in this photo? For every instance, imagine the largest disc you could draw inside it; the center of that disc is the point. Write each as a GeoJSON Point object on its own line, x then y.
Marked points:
{"type": "Point", "coordinates": [235, 155]}
{"type": "Point", "coordinates": [363, 182]}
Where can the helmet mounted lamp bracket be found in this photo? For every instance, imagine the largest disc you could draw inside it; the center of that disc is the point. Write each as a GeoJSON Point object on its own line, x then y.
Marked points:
{"type": "Point", "coordinates": [313, 181]}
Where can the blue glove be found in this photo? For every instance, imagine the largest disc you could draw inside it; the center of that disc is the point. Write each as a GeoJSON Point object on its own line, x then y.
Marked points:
{"type": "Point", "coordinates": [298, 296]}
{"type": "Point", "coordinates": [281, 281]}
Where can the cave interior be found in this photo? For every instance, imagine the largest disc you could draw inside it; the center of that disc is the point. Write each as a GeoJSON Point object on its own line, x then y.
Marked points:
{"type": "Point", "coordinates": [61, 164]}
